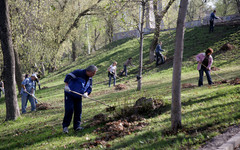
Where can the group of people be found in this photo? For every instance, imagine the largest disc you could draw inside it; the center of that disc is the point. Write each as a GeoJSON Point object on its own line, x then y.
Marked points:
{"type": "Point", "coordinates": [78, 84]}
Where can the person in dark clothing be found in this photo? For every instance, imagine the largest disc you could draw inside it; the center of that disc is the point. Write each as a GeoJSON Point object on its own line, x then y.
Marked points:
{"type": "Point", "coordinates": [158, 53]}
{"type": "Point", "coordinates": [79, 81]}
{"type": "Point", "coordinates": [211, 20]}
{"type": "Point", "coordinates": [127, 63]}
{"type": "Point", "coordinates": [205, 61]}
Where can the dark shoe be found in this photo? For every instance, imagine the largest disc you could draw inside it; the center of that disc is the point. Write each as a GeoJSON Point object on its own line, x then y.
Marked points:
{"type": "Point", "coordinates": [79, 129]}
{"type": "Point", "coordinates": [65, 130]}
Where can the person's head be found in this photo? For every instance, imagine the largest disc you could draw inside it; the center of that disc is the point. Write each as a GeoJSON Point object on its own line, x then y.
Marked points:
{"type": "Point", "coordinates": [34, 77]}
{"type": "Point", "coordinates": [26, 75]}
{"type": "Point", "coordinates": [209, 52]}
{"type": "Point", "coordinates": [214, 11]}
{"type": "Point", "coordinates": [160, 42]}
{"type": "Point", "coordinates": [130, 58]}
{"type": "Point", "coordinates": [91, 70]}
{"type": "Point", "coordinates": [114, 63]}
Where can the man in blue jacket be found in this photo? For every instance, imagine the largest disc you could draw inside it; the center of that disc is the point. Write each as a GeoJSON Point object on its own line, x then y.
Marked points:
{"type": "Point", "coordinates": [28, 87]}
{"type": "Point", "coordinates": [212, 17]}
{"type": "Point", "coordinates": [158, 51]}
{"type": "Point", "coordinates": [79, 81]}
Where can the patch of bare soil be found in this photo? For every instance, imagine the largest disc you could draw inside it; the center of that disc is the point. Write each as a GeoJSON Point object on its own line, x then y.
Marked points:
{"type": "Point", "coordinates": [235, 81]}
{"type": "Point", "coordinates": [45, 87]}
{"type": "Point", "coordinates": [120, 87]}
{"type": "Point", "coordinates": [44, 106]}
{"type": "Point", "coordinates": [226, 47]}
{"type": "Point", "coordinates": [188, 85]}
{"type": "Point", "coordinates": [214, 69]}
{"type": "Point", "coordinates": [129, 120]}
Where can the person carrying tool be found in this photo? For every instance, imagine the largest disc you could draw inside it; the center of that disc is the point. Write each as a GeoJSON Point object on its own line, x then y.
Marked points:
{"type": "Point", "coordinates": [1, 87]}
{"type": "Point", "coordinates": [79, 81]}
{"type": "Point", "coordinates": [28, 86]}
{"type": "Point", "coordinates": [158, 53]}
{"type": "Point", "coordinates": [205, 61]}
{"type": "Point", "coordinates": [112, 69]}
{"type": "Point", "coordinates": [211, 20]}
{"type": "Point", "coordinates": [127, 63]}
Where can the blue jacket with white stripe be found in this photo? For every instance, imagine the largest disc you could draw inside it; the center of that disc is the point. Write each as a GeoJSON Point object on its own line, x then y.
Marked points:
{"type": "Point", "coordinates": [78, 81]}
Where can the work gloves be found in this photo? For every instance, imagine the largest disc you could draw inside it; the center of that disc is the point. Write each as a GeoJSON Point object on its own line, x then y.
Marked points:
{"type": "Point", "coordinates": [85, 95]}
{"type": "Point", "coordinates": [67, 89]}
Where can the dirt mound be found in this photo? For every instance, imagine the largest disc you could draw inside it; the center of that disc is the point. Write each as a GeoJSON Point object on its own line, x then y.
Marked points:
{"type": "Point", "coordinates": [235, 81]}
{"type": "Point", "coordinates": [45, 87]}
{"type": "Point", "coordinates": [226, 47]}
{"type": "Point", "coordinates": [188, 85]}
{"type": "Point", "coordinates": [120, 87]}
{"type": "Point", "coordinates": [43, 106]}
{"type": "Point", "coordinates": [130, 119]}
{"type": "Point", "coordinates": [214, 69]}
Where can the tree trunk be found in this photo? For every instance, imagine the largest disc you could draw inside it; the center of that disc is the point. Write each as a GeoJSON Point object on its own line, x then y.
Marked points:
{"type": "Point", "coordinates": [177, 65]}
{"type": "Point", "coordinates": [139, 86]}
{"type": "Point", "coordinates": [238, 5]}
{"type": "Point", "coordinates": [74, 51]}
{"type": "Point", "coordinates": [12, 110]}
{"type": "Point", "coordinates": [18, 72]}
{"type": "Point", "coordinates": [158, 19]}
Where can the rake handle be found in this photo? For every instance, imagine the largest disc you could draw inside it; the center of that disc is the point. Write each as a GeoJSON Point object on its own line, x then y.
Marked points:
{"type": "Point", "coordinates": [32, 96]}
{"type": "Point", "coordinates": [213, 72]}
{"type": "Point", "coordinates": [89, 98]}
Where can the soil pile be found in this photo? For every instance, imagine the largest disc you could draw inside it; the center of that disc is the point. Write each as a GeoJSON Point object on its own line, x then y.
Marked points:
{"type": "Point", "coordinates": [43, 106]}
{"type": "Point", "coordinates": [129, 120]}
{"type": "Point", "coordinates": [188, 85]}
{"type": "Point", "coordinates": [214, 69]}
{"type": "Point", "coordinates": [235, 81]}
{"type": "Point", "coordinates": [226, 47]}
{"type": "Point", "coordinates": [120, 87]}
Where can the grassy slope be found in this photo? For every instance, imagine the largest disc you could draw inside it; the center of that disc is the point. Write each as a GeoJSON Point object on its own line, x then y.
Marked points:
{"type": "Point", "coordinates": [206, 111]}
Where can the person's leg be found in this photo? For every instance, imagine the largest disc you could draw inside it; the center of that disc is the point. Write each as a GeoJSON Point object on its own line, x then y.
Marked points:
{"type": "Point", "coordinates": [24, 103]}
{"type": "Point", "coordinates": [125, 70]}
{"type": "Point", "coordinates": [208, 77]}
{"type": "Point", "coordinates": [211, 26]}
{"type": "Point", "coordinates": [200, 81]}
{"type": "Point", "coordinates": [77, 113]}
{"type": "Point", "coordinates": [110, 78]}
{"type": "Point", "coordinates": [162, 58]}
{"type": "Point", "coordinates": [33, 104]}
{"type": "Point", "coordinates": [157, 60]}
{"type": "Point", "coordinates": [68, 110]}
{"type": "Point", "coordinates": [114, 80]}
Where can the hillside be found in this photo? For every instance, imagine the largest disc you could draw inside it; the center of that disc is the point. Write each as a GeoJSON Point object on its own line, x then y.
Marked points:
{"type": "Point", "coordinates": [206, 111]}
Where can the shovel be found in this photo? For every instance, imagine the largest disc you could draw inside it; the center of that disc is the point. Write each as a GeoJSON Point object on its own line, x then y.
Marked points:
{"type": "Point", "coordinates": [109, 109]}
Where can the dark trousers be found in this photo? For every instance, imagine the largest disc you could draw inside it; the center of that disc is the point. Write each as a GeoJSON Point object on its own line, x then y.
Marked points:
{"type": "Point", "coordinates": [124, 70]}
{"type": "Point", "coordinates": [72, 105]}
{"type": "Point", "coordinates": [200, 81]}
{"type": "Point", "coordinates": [159, 57]}
{"type": "Point", "coordinates": [211, 26]}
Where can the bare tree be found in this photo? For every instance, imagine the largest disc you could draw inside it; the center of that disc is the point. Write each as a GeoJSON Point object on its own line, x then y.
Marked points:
{"type": "Point", "coordinates": [12, 110]}
{"type": "Point", "coordinates": [143, 5]}
{"type": "Point", "coordinates": [158, 19]}
{"type": "Point", "coordinates": [238, 5]}
{"type": "Point", "coordinates": [177, 66]}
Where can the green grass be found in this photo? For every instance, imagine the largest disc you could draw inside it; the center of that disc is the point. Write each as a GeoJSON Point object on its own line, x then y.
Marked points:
{"type": "Point", "coordinates": [206, 111]}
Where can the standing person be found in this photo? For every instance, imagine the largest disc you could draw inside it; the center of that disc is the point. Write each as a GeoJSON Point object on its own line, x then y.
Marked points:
{"type": "Point", "coordinates": [158, 51]}
{"type": "Point", "coordinates": [212, 17]}
{"type": "Point", "coordinates": [127, 63]}
{"type": "Point", "coordinates": [205, 61]}
{"type": "Point", "coordinates": [112, 69]}
{"type": "Point", "coordinates": [28, 85]}
{"type": "Point", "coordinates": [1, 87]}
{"type": "Point", "coordinates": [79, 81]}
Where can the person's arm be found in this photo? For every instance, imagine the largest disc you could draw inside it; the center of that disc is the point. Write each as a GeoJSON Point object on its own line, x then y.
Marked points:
{"type": "Point", "coordinates": [72, 75]}
{"type": "Point", "coordinates": [160, 49]}
{"type": "Point", "coordinates": [89, 90]}
{"type": "Point", "coordinates": [210, 63]}
{"type": "Point", "coordinates": [198, 58]}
